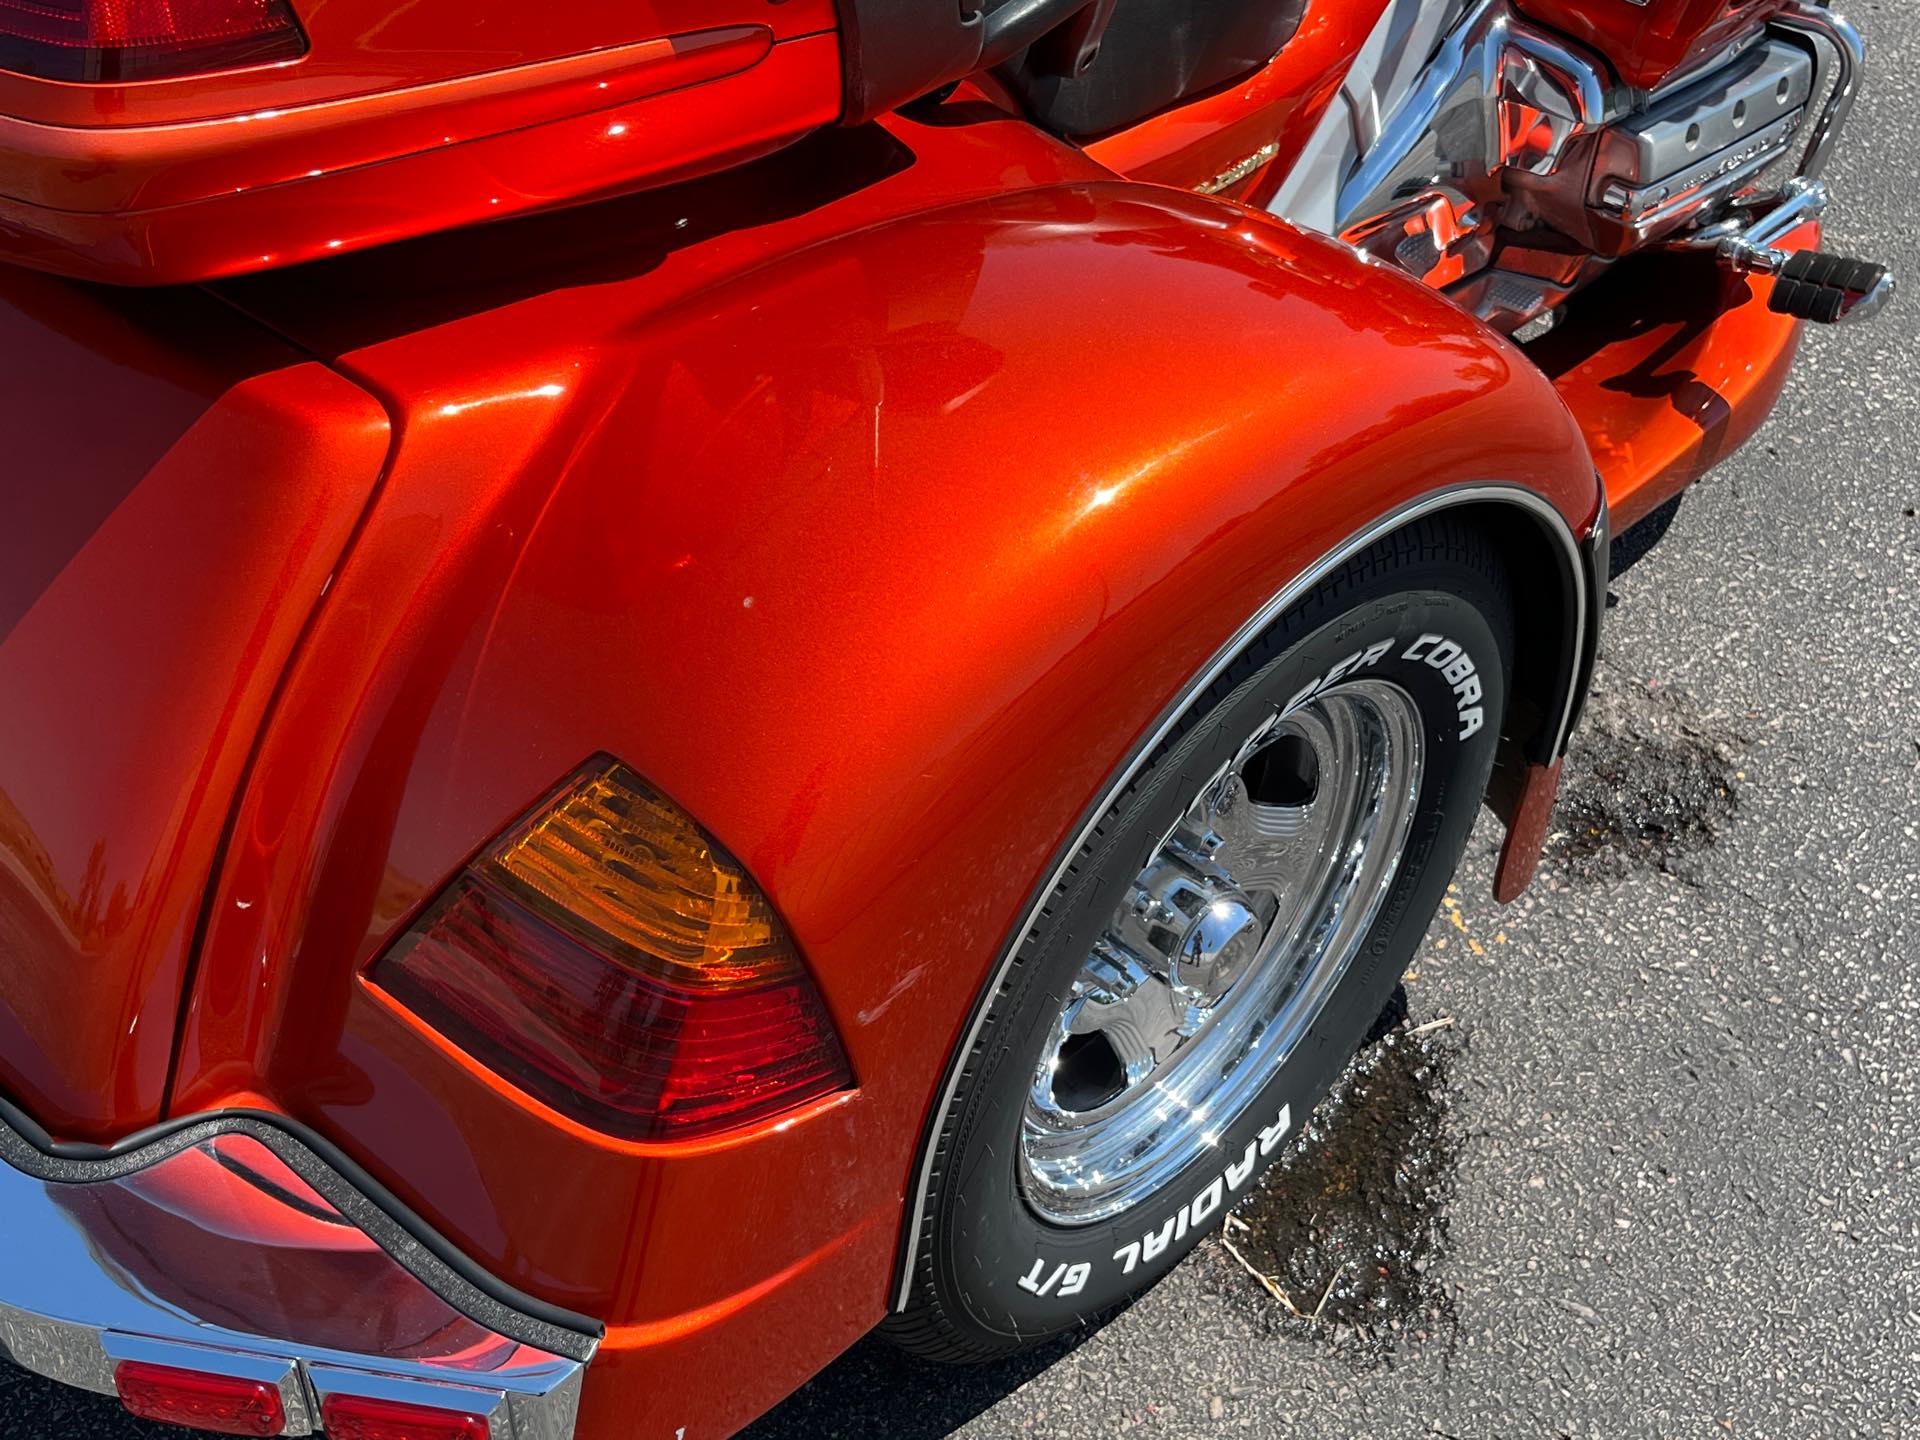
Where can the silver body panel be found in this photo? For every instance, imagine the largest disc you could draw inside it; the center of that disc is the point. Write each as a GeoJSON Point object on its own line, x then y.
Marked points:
{"type": "Point", "coordinates": [1768, 83]}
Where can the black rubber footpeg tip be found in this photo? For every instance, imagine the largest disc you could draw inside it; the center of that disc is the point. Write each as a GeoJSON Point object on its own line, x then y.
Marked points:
{"type": "Point", "coordinates": [1814, 285]}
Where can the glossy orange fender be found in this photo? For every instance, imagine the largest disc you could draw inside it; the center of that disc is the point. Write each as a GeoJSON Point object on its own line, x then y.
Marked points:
{"type": "Point", "coordinates": [878, 557]}
{"type": "Point", "coordinates": [398, 121]}
{"type": "Point", "coordinates": [170, 521]}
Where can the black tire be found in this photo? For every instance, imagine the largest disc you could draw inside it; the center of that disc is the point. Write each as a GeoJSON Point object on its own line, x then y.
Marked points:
{"type": "Point", "coordinates": [978, 1237]}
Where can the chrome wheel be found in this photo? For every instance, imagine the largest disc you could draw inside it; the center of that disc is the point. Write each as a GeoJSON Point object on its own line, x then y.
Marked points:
{"type": "Point", "coordinates": [1224, 952]}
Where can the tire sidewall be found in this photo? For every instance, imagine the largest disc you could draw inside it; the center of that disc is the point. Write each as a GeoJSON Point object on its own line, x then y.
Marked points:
{"type": "Point", "coordinates": [1017, 1277]}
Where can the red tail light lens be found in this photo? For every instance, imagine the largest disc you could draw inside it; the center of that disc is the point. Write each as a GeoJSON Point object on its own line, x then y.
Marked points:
{"type": "Point", "coordinates": [614, 962]}
{"type": "Point", "coordinates": [108, 41]}
{"type": "Point", "coordinates": [220, 1403]}
{"type": "Point", "coordinates": [355, 1417]}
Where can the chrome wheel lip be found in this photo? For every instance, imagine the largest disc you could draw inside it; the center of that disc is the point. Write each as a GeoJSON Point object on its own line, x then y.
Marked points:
{"type": "Point", "coordinates": [1192, 1057]}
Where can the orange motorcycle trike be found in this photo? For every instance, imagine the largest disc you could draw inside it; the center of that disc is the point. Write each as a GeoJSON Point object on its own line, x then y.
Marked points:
{"type": "Point", "coordinates": [682, 678]}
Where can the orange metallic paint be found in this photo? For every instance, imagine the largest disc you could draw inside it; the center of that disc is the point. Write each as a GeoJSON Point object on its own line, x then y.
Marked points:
{"type": "Point", "coordinates": [150, 167]}
{"type": "Point", "coordinates": [1649, 40]}
{"type": "Point", "coordinates": [872, 498]}
{"type": "Point", "coordinates": [836, 493]}
{"type": "Point", "coordinates": [397, 123]}
{"type": "Point", "coordinates": [149, 597]}
{"type": "Point", "coordinates": [1673, 366]}
{"type": "Point", "coordinates": [138, 202]}
{"type": "Point", "coordinates": [325, 158]}
{"type": "Point", "coordinates": [365, 47]}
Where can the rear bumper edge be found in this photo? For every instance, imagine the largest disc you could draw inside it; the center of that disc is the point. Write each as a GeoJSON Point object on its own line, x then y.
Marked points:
{"type": "Point", "coordinates": [240, 1245]}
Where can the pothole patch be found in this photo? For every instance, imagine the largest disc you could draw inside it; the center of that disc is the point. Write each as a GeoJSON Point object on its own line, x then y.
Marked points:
{"type": "Point", "coordinates": [1342, 1239]}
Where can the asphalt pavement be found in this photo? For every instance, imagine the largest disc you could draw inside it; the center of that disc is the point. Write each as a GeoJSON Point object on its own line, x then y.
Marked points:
{"type": "Point", "coordinates": [1660, 1119]}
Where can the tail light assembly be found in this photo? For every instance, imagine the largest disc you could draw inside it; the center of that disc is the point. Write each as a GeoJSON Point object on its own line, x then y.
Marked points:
{"type": "Point", "coordinates": [360, 1417]}
{"type": "Point", "coordinates": [609, 958]}
{"type": "Point", "coordinates": [220, 1404]}
{"type": "Point", "coordinates": [110, 41]}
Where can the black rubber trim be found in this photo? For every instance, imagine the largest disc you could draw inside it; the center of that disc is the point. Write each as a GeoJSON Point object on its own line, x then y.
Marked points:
{"type": "Point", "coordinates": [414, 1245]}
{"type": "Point", "coordinates": [1599, 557]}
{"type": "Point", "coordinates": [1153, 54]}
{"type": "Point", "coordinates": [1580, 639]}
{"type": "Point", "coordinates": [1804, 300]}
{"type": "Point", "coordinates": [1822, 268]}
{"type": "Point", "coordinates": [1015, 24]}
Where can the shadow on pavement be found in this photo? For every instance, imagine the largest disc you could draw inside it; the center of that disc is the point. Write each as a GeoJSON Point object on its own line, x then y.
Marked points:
{"type": "Point", "coordinates": [872, 1390]}
{"type": "Point", "coordinates": [1634, 544]}
{"type": "Point", "coordinates": [36, 1409]}
{"type": "Point", "coordinates": [876, 1390]}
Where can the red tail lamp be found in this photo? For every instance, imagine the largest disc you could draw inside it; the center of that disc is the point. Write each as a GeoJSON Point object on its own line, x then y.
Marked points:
{"type": "Point", "coordinates": [226, 1405]}
{"type": "Point", "coordinates": [357, 1417]}
{"type": "Point", "coordinates": [613, 961]}
{"type": "Point", "coordinates": [109, 41]}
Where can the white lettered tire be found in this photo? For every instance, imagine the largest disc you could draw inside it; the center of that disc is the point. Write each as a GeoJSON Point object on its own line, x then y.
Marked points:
{"type": "Point", "coordinates": [1021, 1236]}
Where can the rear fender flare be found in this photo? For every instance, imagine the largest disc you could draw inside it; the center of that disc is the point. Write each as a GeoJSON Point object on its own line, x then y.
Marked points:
{"type": "Point", "coordinates": [1283, 387]}
{"type": "Point", "coordinates": [1559, 670]}
{"type": "Point", "coordinates": [879, 557]}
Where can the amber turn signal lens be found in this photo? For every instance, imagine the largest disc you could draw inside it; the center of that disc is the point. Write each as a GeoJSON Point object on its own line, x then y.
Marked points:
{"type": "Point", "coordinates": [613, 961]}
{"type": "Point", "coordinates": [625, 868]}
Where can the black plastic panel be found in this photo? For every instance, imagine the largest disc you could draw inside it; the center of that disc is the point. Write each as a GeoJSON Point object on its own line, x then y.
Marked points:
{"type": "Point", "coordinates": [1154, 54]}
{"type": "Point", "coordinates": [893, 51]}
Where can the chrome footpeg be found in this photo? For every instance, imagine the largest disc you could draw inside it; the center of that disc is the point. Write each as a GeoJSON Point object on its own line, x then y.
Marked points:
{"type": "Point", "coordinates": [1812, 284]}
{"type": "Point", "coordinates": [1809, 284]}
{"type": "Point", "coordinates": [1829, 289]}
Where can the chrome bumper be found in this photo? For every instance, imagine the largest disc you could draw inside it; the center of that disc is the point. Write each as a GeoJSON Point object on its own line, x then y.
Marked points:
{"type": "Point", "coordinates": [231, 1248]}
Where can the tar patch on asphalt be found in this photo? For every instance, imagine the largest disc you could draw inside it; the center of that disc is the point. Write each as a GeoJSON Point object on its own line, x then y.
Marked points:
{"type": "Point", "coordinates": [1347, 1229]}
{"type": "Point", "coordinates": [1649, 785]}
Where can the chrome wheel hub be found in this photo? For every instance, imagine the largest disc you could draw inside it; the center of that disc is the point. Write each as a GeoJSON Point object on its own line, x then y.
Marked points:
{"type": "Point", "coordinates": [1224, 952]}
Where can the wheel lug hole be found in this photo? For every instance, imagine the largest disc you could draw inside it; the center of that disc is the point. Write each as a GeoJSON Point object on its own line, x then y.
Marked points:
{"type": "Point", "coordinates": [1287, 772]}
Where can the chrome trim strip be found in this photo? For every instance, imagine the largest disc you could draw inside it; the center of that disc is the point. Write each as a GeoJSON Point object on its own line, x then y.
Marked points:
{"type": "Point", "coordinates": [1424, 106]}
{"type": "Point", "coordinates": [1585, 622]}
{"type": "Point", "coordinates": [1851, 56]}
{"type": "Point", "coordinates": [1459, 98]}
